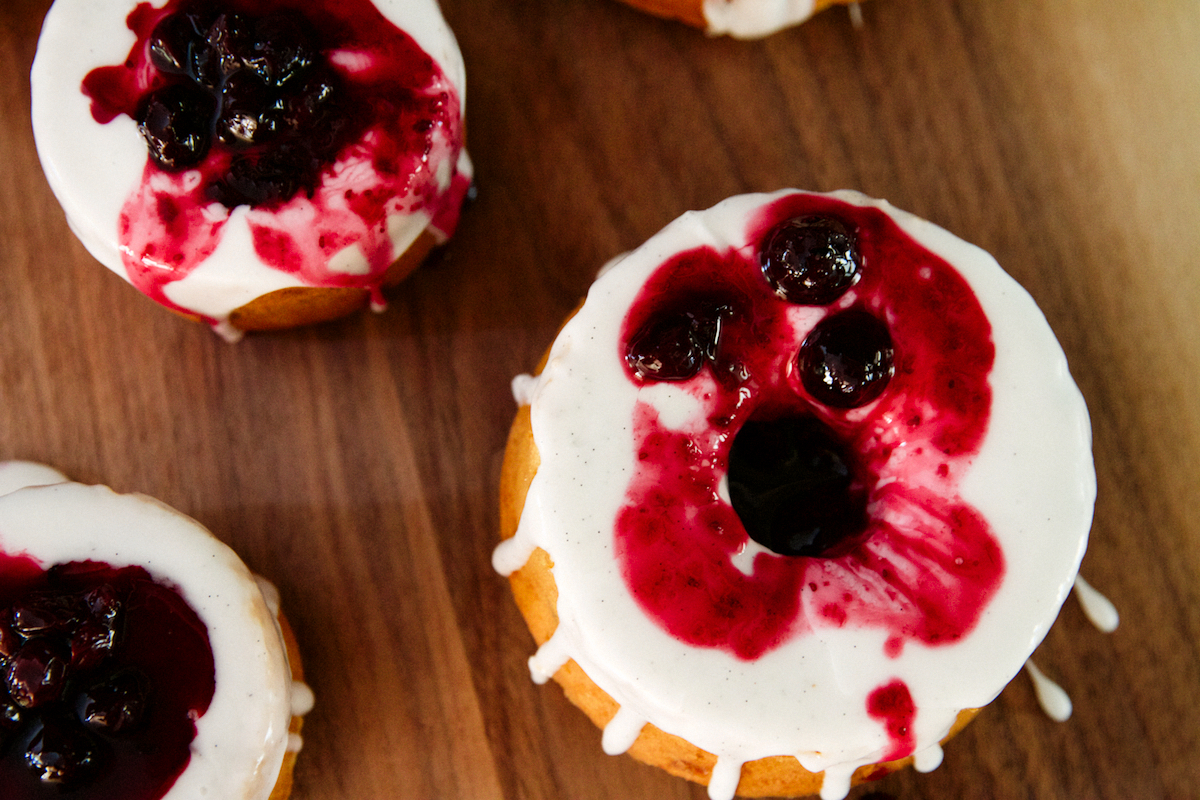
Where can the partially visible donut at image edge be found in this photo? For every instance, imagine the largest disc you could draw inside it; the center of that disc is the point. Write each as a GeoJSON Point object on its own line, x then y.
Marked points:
{"type": "Point", "coordinates": [741, 19]}
{"type": "Point", "coordinates": [140, 659]}
{"type": "Point", "coordinates": [254, 164]}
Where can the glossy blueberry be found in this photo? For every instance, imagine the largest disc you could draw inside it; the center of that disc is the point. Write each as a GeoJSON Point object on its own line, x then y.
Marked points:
{"type": "Point", "coordinates": [37, 672]}
{"type": "Point", "coordinates": [311, 105]}
{"type": "Point", "coordinates": [222, 51]}
{"type": "Point", "coordinates": [61, 752]}
{"type": "Point", "coordinates": [281, 50]}
{"type": "Point", "coordinates": [11, 716]}
{"type": "Point", "coordinates": [43, 613]}
{"type": "Point", "coordinates": [90, 644]}
{"type": "Point", "coordinates": [10, 640]}
{"type": "Point", "coordinates": [256, 85]}
{"type": "Point", "coordinates": [847, 359]}
{"type": "Point", "coordinates": [175, 41]}
{"type": "Point", "coordinates": [792, 484]}
{"type": "Point", "coordinates": [249, 114]}
{"type": "Point", "coordinates": [674, 345]}
{"type": "Point", "coordinates": [117, 704]}
{"type": "Point", "coordinates": [810, 260]}
{"type": "Point", "coordinates": [176, 123]}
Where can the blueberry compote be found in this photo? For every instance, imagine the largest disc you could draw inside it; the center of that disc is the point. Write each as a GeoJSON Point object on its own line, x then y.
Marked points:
{"type": "Point", "coordinates": [840, 405]}
{"type": "Point", "coordinates": [103, 674]}
{"type": "Point", "coordinates": [321, 116]}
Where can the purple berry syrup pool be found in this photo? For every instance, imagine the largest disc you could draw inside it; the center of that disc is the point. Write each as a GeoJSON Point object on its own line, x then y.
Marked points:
{"type": "Point", "coordinates": [103, 674]}
{"type": "Point", "coordinates": [894, 548]}
{"type": "Point", "coordinates": [321, 116]}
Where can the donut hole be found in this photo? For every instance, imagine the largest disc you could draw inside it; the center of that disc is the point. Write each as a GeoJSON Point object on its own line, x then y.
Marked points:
{"type": "Point", "coordinates": [796, 488]}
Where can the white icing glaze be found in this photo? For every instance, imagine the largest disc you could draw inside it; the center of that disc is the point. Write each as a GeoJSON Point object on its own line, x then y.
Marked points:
{"type": "Point", "coordinates": [1052, 697]}
{"type": "Point", "coordinates": [856, 15]}
{"type": "Point", "coordinates": [621, 731]}
{"type": "Point", "coordinates": [19, 474]}
{"type": "Point", "coordinates": [836, 783]}
{"type": "Point", "coordinates": [1096, 607]}
{"type": "Point", "coordinates": [754, 19]}
{"type": "Point", "coordinates": [522, 389]}
{"type": "Point", "coordinates": [303, 699]}
{"type": "Point", "coordinates": [93, 168]}
{"type": "Point", "coordinates": [241, 739]}
{"type": "Point", "coordinates": [1032, 480]}
{"type": "Point", "coordinates": [725, 776]}
{"type": "Point", "coordinates": [929, 759]}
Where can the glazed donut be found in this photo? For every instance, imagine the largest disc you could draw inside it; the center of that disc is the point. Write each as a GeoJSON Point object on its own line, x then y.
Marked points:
{"type": "Point", "coordinates": [141, 659]}
{"type": "Point", "coordinates": [741, 19]}
{"type": "Point", "coordinates": [800, 485]}
{"type": "Point", "coordinates": [254, 165]}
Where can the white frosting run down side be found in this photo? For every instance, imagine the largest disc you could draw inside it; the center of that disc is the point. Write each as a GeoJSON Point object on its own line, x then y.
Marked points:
{"type": "Point", "coordinates": [94, 168]}
{"type": "Point", "coordinates": [1033, 481]}
{"type": "Point", "coordinates": [1101, 612]}
{"type": "Point", "coordinates": [241, 740]}
{"type": "Point", "coordinates": [754, 19]}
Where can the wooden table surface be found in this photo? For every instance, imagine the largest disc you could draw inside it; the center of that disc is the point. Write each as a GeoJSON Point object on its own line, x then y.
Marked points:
{"type": "Point", "coordinates": [355, 463]}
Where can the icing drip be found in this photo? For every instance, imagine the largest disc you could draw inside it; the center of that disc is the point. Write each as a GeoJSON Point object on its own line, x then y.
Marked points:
{"type": "Point", "coordinates": [723, 783]}
{"type": "Point", "coordinates": [225, 329]}
{"type": "Point", "coordinates": [752, 19]}
{"type": "Point", "coordinates": [511, 554]}
{"type": "Point", "coordinates": [1098, 608]}
{"type": "Point", "coordinates": [303, 699]}
{"type": "Point", "coordinates": [1050, 695]}
{"type": "Point", "coordinates": [522, 389]}
{"type": "Point", "coordinates": [856, 15]}
{"type": "Point", "coordinates": [929, 759]}
{"type": "Point", "coordinates": [835, 784]}
{"type": "Point", "coordinates": [269, 592]}
{"type": "Point", "coordinates": [622, 731]}
{"type": "Point", "coordinates": [1103, 614]}
{"type": "Point", "coordinates": [295, 743]}
{"type": "Point", "coordinates": [549, 659]}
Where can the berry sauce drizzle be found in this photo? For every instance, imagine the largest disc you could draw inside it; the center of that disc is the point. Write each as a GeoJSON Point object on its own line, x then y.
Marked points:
{"type": "Point", "coordinates": [922, 564]}
{"type": "Point", "coordinates": [892, 705]}
{"type": "Point", "coordinates": [103, 673]}
{"type": "Point", "coordinates": [327, 185]}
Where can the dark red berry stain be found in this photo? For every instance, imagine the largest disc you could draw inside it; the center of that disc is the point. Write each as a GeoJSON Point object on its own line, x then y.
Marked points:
{"type": "Point", "coordinates": [911, 557]}
{"type": "Point", "coordinates": [892, 705]}
{"type": "Point", "coordinates": [319, 115]}
{"type": "Point", "coordinates": [104, 674]}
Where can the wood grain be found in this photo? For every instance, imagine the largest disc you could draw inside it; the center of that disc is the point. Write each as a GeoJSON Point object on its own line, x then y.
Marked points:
{"type": "Point", "coordinates": [355, 463]}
